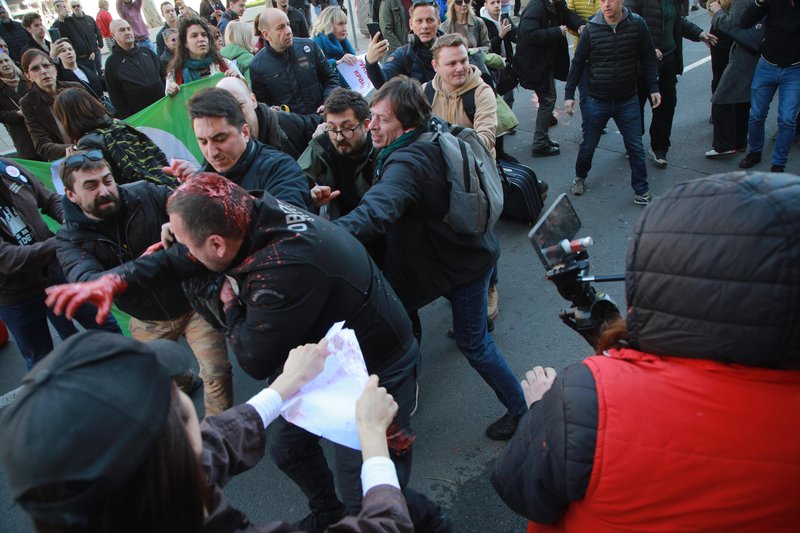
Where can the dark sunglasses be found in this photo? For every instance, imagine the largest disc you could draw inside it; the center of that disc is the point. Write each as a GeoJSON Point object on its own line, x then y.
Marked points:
{"type": "Point", "coordinates": [459, 2]}
{"type": "Point", "coordinates": [76, 160]}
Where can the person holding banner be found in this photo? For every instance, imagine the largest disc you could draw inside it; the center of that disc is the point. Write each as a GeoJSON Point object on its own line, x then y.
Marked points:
{"type": "Point", "coordinates": [330, 34]}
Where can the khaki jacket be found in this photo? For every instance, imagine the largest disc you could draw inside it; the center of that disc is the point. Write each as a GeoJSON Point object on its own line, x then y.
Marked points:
{"type": "Point", "coordinates": [449, 107]}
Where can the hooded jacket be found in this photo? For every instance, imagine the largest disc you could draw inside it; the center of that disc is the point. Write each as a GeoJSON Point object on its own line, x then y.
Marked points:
{"type": "Point", "coordinates": [424, 258]}
{"type": "Point", "coordinates": [449, 106]}
{"type": "Point", "coordinates": [261, 168]}
{"type": "Point", "coordinates": [26, 270]}
{"type": "Point", "coordinates": [504, 46]}
{"type": "Point", "coordinates": [87, 248]}
{"type": "Point", "coordinates": [133, 78]}
{"type": "Point", "coordinates": [697, 413]}
{"type": "Point", "coordinates": [299, 77]}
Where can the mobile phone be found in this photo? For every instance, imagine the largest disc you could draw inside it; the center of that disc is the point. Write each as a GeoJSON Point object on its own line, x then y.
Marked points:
{"type": "Point", "coordinates": [54, 34]}
{"type": "Point", "coordinates": [505, 16]}
{"type": "Point", "coordinates": [373, 28]}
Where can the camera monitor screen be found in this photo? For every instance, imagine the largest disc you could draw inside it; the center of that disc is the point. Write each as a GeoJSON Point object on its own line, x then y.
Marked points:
{"type": "Point", "coordinates": [559, 222]}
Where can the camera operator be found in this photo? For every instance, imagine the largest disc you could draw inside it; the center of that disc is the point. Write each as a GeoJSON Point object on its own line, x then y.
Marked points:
{"type": "Point", "coordinates": [686, 422]}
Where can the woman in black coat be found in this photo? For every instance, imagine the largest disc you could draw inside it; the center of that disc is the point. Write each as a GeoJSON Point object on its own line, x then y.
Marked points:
{"type": "Point", "coordinates": [72, 71]}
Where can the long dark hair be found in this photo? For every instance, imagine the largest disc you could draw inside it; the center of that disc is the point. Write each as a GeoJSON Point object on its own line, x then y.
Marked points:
{"type": "Point", "coordinates": [79, 113]}
{"type": "Point", "coordinates": [181, 52]}
{"type": "Point", "coordinates": [166, 494]}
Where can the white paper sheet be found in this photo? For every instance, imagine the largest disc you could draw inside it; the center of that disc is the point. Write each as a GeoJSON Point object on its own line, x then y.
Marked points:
{"type": "Point", "coordinates": [356, 76]}
{"type": "Point", "coordinates": [326, 406]}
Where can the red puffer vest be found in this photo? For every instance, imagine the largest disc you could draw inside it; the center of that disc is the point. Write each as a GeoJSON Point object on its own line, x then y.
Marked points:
{"type": "Point", "coordinates": [690, 445]}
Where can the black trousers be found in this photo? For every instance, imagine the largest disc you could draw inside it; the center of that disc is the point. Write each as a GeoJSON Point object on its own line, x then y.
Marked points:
{"type": "Point", "coordinates": [730, 126]}
{"type": "Point", "coordinates": [720, 56]}
{"type": "Point", "coordinates": [661, 124]}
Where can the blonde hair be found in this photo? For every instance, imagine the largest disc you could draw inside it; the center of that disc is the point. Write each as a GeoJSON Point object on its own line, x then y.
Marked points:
{"type": "Point", "coordinates": [240, 34]}
{"type": "Point", "coordinates": [451, 10]}
{"type": "Point", "coordinates": [326, 20]}
{"type": "Point", "coordinates": [102, 4]}
{"type": "Point", "coordinates": [17, 71]}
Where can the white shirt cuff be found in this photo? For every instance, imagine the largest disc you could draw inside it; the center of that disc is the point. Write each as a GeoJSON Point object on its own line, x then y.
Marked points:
{"type": "Point", "coordinates": [378, 471]}
{"type": "Point", "coordinates": [268, 405]}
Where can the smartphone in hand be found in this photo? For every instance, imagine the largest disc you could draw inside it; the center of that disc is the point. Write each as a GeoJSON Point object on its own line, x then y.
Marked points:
{"type": "Point", "coordinates": [373, 28]}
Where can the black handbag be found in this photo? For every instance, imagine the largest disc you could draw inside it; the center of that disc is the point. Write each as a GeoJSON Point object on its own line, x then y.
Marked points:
{"type": "Point", "coordinates": [750, 39]}
{"type": "Point", "coordinates": [507, 79]}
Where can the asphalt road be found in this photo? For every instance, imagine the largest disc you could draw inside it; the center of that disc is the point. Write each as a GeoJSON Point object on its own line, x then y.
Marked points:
{"type": "Point", "coordinates": [453, 458]}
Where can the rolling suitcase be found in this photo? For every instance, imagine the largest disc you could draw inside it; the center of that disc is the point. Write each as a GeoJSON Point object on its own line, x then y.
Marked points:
{"type": "Point", "coordinates": [522, 199]}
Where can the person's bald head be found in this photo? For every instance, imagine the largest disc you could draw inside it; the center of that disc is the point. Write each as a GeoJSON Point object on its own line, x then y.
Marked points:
{"type": "Point", "coordinates": [122, 33]}
{"type": "Point", "coordinates": [241, 91]}
{"type": "Point", "coordinates": [274, 27]}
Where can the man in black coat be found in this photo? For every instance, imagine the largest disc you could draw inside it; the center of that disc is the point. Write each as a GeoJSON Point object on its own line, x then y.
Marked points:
{"type": "Point", "coordinates": [668, 29]}
{"type": "Point", "coordinates": [290, 72]}
{"type": "Point", "coordinates": [289, 277]}
{"type": "Point", "coordinates": [13, 34]}
{"type": "Point", "coordinates": [615, 46]}
{"type": "Point", "coordinates": [543, 57]}
{"type": "Point", "coordinates": [82, 38]}
{"type": "Point", "coordinates": [106, 225]}
{"type": "Point", "coordinates": [133, 73]}
{"type": "Point", "coordinates": [90, 27]}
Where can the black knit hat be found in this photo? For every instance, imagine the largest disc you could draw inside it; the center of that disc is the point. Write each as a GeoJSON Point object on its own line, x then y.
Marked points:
{"type": "Point", "coordinates": [86, 418]}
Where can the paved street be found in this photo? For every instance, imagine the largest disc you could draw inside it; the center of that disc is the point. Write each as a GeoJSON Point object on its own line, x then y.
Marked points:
{"type": "Point", "coordinates": [453, 459]}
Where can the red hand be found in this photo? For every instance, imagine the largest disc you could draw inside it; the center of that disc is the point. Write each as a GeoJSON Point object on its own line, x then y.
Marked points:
{"type": "Point", "coordinates": [66, 299]}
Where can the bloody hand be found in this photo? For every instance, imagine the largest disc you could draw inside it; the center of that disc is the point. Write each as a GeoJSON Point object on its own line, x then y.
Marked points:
{"type": "Point", "coordinates": [66, 299]}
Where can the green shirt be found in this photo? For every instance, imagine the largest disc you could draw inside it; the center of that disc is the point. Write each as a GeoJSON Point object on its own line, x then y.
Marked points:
{"type": "Point", "coordinates": [670, 16]}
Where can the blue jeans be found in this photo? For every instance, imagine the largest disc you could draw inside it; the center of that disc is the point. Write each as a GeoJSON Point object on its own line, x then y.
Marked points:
{"type": "Point", "coordinates": [766, 80]}
{"type": "Point", "coordinates": [627, 116]}
{"type": "Point", "coordinates": [468, 303]}
{"type": "Point", "coordinates": [149, 44]}
{"type": "Point", "coordinates": [27, 322]}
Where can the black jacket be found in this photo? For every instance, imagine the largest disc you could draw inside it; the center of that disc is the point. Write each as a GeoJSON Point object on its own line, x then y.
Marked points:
{"type": "Point", "coordinates": [299, 77]}
{"type": "Point", "coordinates": [541, 47]}
{"type": "Point", "coordinates": [650, 11]}
{"type": "Point", "coordinates": [614, 58]}
{"type": "Point", "coordinates": [81, 37]}
{"type": "Point", "coordinates": [95, 85]}
{"type": "Point", "coordinates": [15, 122]}
{"type": "Point", "coordinates": [297, 275]}
{"type": "Point", "coordinates": [16, 37]}
{"type": "Point", "coordinates": [262, 168]}
{"type": "Point", "coordinates": [87, 248]}
{"type": "Point", "coordinates": [425, 258]}
{"type": "Point", "coordinates": [288, 132]}
{"type": "Point", "coordinates": [749, 318]}
{"type": "Point", "coordinates": [781, 30]}
{"type": "Point", "coordinates": [298, 23]}
{"type": "Point", "coordinates": [504, 46]}
{"type": "Point", "coordinates": [412, 60]}
{"type": "Point", "coordinates": [27, 269]}
{"type": "Point", "coordinates": [134, 79]}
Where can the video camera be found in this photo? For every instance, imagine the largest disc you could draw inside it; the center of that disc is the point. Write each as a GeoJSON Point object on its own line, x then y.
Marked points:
{"type": "Point", "coordinates": [566, 263]}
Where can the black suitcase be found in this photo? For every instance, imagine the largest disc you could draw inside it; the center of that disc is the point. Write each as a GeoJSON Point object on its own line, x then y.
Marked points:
{"type": "Point", "coordinates": [522, 200]}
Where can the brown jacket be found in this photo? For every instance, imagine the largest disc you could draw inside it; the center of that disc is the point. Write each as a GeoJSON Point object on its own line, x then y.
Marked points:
{"type": "Point", "coordinates": [37, 108]}
{"type": "Point", "coordinates": [27, 270]}
{"type": "Point", "coordinates": [449, 107]}
{"type": "Point", "coordinates": [234, 442]}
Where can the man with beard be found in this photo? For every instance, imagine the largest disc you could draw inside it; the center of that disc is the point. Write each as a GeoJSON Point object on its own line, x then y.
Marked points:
{"type": "Point", "coordinates": [106, 225]}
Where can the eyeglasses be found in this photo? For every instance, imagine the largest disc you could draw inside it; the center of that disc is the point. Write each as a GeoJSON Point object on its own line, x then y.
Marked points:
{"type": "Point", "coordinates": [423, 2]}
{"type": "Point", "coordinates": [459, 2]}
{"type": "Point", "coordinates": [76, 160]}
{"type": "Point", "coordinates": [75, 6]}
{"type": "Point", "coordinates": [347, 133]}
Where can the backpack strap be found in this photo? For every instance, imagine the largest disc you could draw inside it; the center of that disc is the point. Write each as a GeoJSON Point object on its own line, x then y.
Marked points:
{"type": "Point", "coordinates": [467, 100]}
{"type": "Point", "coordinates": [430, 92]}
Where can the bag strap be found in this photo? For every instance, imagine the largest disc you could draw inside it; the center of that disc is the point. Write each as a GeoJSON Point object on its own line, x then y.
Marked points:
{"type": "Point", "coordinates": [467, 100]}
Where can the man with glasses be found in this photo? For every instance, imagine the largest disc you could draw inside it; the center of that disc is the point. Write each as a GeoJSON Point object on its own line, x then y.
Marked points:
{"type": "Point", "coordinates": [106, 225]}
{"type": "Point", "coordinates": [229, 149]}
{"type": "Point", "coordinates": [412, 59]}
{"type": "Point", "coordinates": [285, 131]}
{"type": "Point", "coordinates": [81, 37]}
{"type": "Point", "coordinates": [340, 160]}
{"type": "Point", "coordinates": [90, 27]}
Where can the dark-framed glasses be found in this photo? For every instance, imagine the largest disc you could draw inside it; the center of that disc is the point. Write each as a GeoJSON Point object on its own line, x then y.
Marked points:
{"type": "Point", "coordinates": [347, 133]}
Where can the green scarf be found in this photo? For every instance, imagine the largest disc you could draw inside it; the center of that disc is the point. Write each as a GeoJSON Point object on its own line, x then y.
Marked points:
{"type": "Point", "coordinates": [401, 142]}
{"type": "Point", "coordinates": [193, 67]}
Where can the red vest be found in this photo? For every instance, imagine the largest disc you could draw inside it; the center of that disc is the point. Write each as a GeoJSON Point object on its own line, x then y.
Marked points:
{"type": "Point", "coordinates": [690, 445]}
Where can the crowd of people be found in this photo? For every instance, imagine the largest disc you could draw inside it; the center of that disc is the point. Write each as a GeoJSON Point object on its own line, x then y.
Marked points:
{"type": "Point", "coordinates": [235, 255]}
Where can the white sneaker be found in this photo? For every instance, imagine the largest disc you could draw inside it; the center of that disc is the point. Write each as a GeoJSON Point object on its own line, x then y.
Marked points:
{"type": "Point", "coordinates": [713, 154]}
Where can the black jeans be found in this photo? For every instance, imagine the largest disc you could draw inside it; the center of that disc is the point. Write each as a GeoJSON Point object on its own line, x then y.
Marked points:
{"type": "Point", "coordinates": [661, 124]}
{"type": "Point", "coordinates": [730, 126]}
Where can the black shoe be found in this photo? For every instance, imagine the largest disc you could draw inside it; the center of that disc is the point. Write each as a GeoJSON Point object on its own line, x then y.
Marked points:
{"type": "Point", "coordinates": [553, 143]}
{"type": "Point", "coordinates": [318, 522]}
{"type": "Point", "coordinates": [553, 121]}
{"type": "Point", "coordinates": [545, 152]}
{"type": "Point", "coordinates": [503, 428]}
{"type": "Point", "coordinates": [750, 160]}
{"type": "Point", "coordinates": [542, 186]}
{"type": "Point", "coordinates": [777, 168]}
